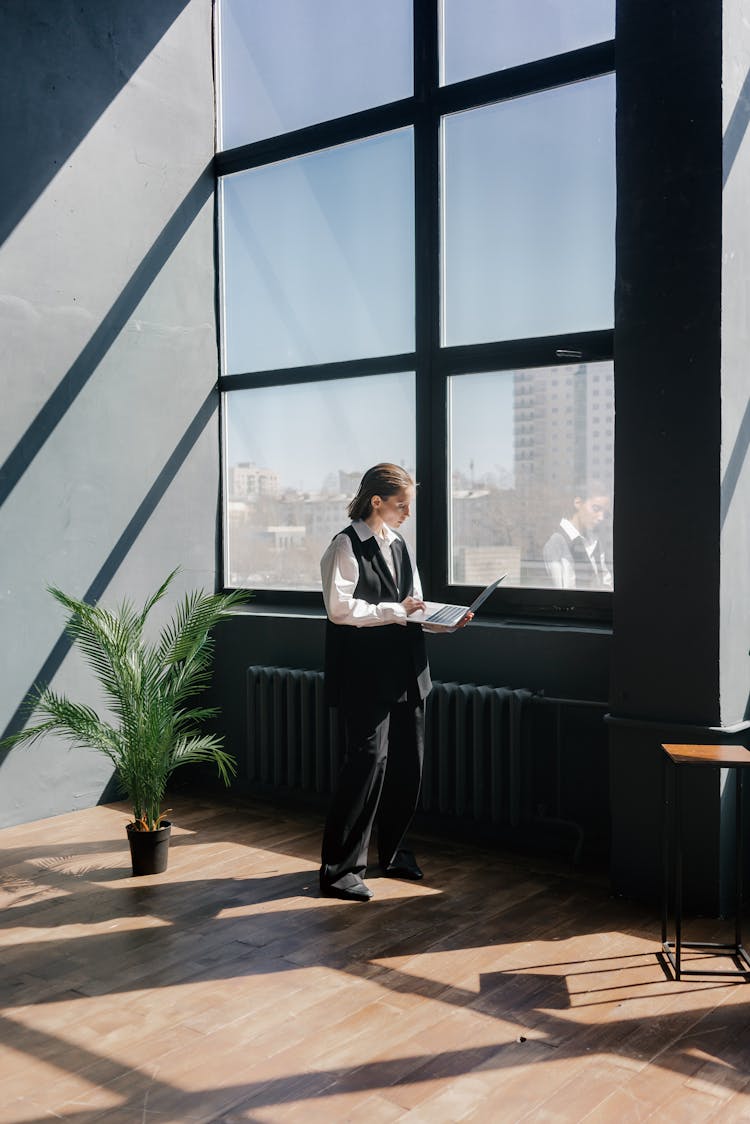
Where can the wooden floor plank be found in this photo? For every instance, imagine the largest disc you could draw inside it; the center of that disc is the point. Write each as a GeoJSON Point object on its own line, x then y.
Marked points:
{"type": "Point", "coordinates": [226, 989]}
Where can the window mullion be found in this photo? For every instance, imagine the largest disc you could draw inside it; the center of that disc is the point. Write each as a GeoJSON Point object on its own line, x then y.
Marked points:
{"type": "Point", "coordinates": [430, 430]}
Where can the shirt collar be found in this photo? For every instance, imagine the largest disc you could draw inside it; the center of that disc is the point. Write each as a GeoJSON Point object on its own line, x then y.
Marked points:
{"type": "Point", "coordinates": [364, 532]}
{"type": "Point", "coordinates": [571, 531]}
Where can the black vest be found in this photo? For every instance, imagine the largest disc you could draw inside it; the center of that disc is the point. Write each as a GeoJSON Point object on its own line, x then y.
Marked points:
{"type": "Point", "coordinates": [387, 662]}
{"type": "Point", "coordinates": [586, 570]}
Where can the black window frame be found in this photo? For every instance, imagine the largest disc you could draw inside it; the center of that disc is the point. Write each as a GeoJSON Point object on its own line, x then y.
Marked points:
{"type": "Point", "coordinates": [432, 363]}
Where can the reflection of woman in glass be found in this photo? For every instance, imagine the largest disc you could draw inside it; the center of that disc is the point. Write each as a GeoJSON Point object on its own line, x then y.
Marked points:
{"type": "Point", "coordinates": [573, 554]}
{"type": "Point", "coordinates": [376, 673]}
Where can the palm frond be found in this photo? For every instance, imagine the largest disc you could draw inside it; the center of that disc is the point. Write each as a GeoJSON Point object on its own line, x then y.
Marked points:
{"type": "Point", "coordinates": [201, 749]}
{"type": "Point", "coordinates": [76, 723]}
{"type": "Point", "coordinates": [108, 642]}
{"type": "Point", "coordinates": [152, 600]}
{"type": "Point", "coordinates": [194, 617]}
{"type": "Point", "coordinates": [186, 648]}
{"type": "Point", "coordinates": [149, 690]}
{"type": "Point", "coordinates": [195, 715]}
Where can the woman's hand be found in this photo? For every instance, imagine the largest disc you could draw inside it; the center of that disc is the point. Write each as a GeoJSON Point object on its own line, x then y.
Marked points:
{"type": "Point", "coordinates": [465, 620]}
{"type": "Point", "coordinates": [412, 605]}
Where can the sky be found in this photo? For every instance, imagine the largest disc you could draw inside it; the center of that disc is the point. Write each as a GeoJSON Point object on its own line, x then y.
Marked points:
{"type": "Point", "coordinates": [307, 431]}
{"type": "Point", "coordinates": [318, 257]}
{"type": "Point", "coordinates": [291, 63]}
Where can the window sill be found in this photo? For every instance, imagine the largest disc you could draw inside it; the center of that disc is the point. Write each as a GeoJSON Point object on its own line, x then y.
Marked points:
{"type": "Point", "coordinates": [540, 624]}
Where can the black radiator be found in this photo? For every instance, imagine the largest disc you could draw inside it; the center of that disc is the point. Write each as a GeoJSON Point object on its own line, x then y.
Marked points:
{"type": "Point", "coordinates": [473, 754]}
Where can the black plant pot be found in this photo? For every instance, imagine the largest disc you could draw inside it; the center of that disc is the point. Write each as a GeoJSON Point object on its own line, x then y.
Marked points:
{"type": "Point", "coordinates": [149, 850]}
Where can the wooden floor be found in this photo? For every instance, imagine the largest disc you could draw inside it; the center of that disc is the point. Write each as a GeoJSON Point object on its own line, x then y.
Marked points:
{"type": "Point", "coordinates": [227, 990]}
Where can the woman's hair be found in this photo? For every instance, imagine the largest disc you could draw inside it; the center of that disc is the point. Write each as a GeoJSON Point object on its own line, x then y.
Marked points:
{"type": "Point", "coordinates": [585, 489]}
{"type": "Point", "coordinates": [381, 480]}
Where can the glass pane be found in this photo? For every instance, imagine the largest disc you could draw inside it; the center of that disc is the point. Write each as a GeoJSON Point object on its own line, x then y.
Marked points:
{"type": "Point", "coordinates": [285, 64]}
{"type": "Point", "coordinates": [318, 257]}
{"type": "Point", "coordinates": [294, 458]}
{"type": "Point", "coordinates": [531, 468]}
{"type": "Point", "coordinates": [529, 215]}
{"type": "Point", "coordinates": [481, 36]}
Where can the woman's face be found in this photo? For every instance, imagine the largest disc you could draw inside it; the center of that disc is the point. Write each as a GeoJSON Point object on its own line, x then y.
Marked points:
{"type": "Point", "coordinates": [590, 512]}
{"type": "Point", "coordinates": [396, 509]}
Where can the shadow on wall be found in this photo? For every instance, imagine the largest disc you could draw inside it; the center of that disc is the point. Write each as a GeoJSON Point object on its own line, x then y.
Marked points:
{"type": "Point", "coordinates": [90, 50]}
{"type": "Point", "coordinates": [736, 128]}
{"type": "Point", "coordinates": [120, 550]}
{"type": "Point", "coordinates": [733, 138]}
{"type": "Point", "coordinates": [75, 379]}
{"type": "Point", "coordinates": [735, 463]}
{"type": "Point", "coordinates": [731, 478]}
{"type": "Point", "coordinates": [60, 401]}
{"type": "Point", "coordinates": [67, 66]}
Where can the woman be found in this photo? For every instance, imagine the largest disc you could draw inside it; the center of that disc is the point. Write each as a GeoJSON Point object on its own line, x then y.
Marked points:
{"type": "Point", "coordinates": [573, 555]}
{"type": "Point", "coordinates": [377, 675]}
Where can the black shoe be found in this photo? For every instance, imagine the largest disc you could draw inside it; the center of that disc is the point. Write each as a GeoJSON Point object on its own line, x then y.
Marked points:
{"type": "Point", "coordinates": [403, 865]}
{"type": "Point", "coordinates": [349, 887]}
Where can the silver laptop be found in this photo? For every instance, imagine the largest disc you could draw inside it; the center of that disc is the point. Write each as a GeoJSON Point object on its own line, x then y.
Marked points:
{"type": "Point", "coordinates": [449, 615]}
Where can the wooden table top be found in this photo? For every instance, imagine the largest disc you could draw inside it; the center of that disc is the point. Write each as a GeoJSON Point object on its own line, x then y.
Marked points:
{"type": "Point", "coordinates": [722, 755]}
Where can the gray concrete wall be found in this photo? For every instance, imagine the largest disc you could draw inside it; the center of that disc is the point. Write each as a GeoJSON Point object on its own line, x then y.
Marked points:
{"type": "Point", "coordinates": [109, 468]}
{"type": "Point", "coordinates": [735, 402]}
{"type": "Point", "coordinates": [735, 374]}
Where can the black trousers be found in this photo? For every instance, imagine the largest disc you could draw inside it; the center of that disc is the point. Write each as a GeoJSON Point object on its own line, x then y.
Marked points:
{"type": "Point", "coordinates": [378, 784]}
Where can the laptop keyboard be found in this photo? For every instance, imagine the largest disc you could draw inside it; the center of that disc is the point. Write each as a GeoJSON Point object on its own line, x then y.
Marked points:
{"type": "Point", "coordinates": [447, 615]}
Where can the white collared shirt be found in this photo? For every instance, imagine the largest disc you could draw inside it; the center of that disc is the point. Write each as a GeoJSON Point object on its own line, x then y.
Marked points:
{"type": "Point", "coordinates": [339, 570]}
{"type": "Point", "coordinates": [563, 570]}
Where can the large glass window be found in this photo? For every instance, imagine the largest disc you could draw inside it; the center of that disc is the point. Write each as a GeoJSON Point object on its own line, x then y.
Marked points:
{"type": "Point", "coordinates": [479, 36]}
{"type": "Point", "coordinates": [318, 257]}
{"type": "Point", "coordinates": [530, 467]}
{"type": "Point", "coordinates": [529, 215]}
{"type": "Point", "coordinates": [294, 457]}
{"type": "Point", "coordinates": [286, 64]}
{"type": "Point", "coordinates": [416, 232]}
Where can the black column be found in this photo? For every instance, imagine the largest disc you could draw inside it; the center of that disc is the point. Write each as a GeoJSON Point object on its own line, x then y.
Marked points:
{"type": "Point", "coordinates": [665, 653]}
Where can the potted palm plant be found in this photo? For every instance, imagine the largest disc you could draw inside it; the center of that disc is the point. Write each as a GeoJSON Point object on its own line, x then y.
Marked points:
{"type": "Point", "coordinates": [150, 690]}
